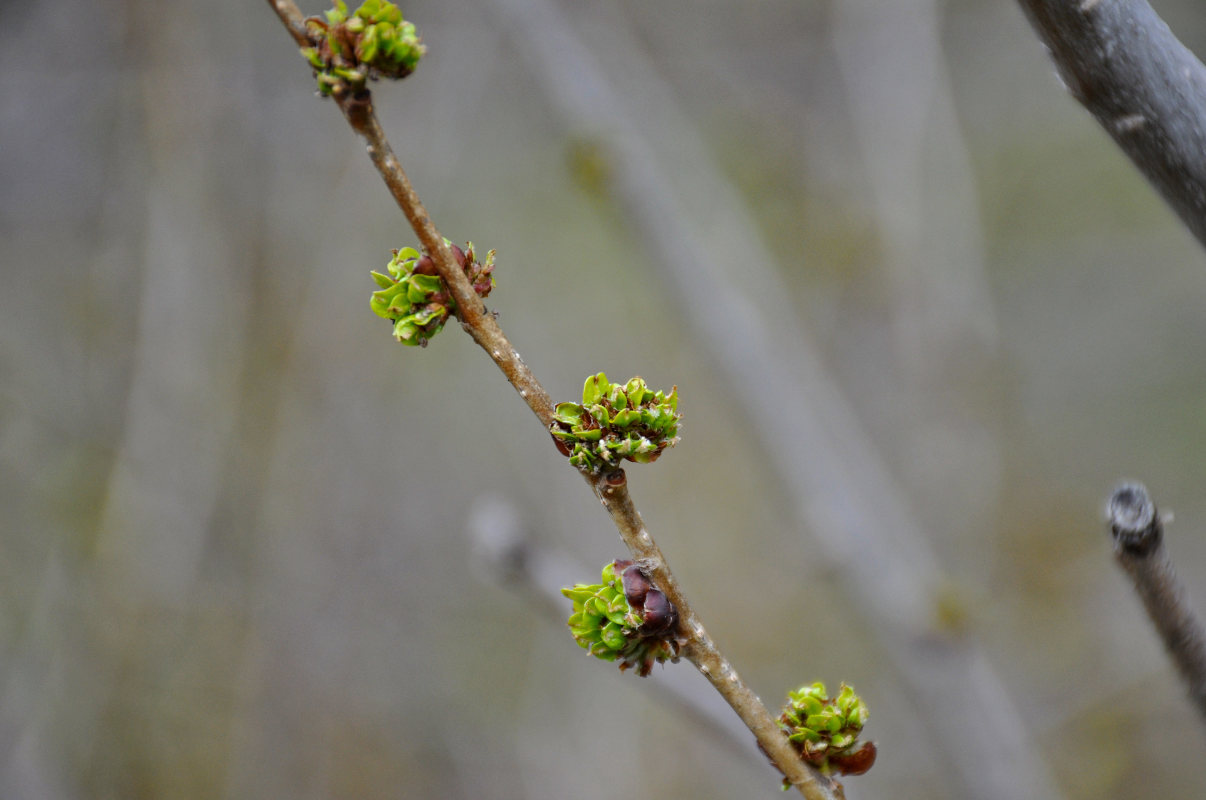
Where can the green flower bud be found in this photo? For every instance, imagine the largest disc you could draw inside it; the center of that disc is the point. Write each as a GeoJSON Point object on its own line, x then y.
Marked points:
{"type": "Point", "coordinates": [416, 300]}
{"type": "Point", "coordinates": [616, 422]}
{"type": "Point", "coordinates": [337, 14]}
{"type": "Point", "coordinates": [825, 730]}
{"type": "Point", "coordinates": [373, 42]}
{"type": "Point", "coordinates": [624, 618]}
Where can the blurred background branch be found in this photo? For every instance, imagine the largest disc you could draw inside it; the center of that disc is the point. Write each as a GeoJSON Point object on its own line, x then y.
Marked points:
{"type": "Point", "coordinates": [1146, 89]}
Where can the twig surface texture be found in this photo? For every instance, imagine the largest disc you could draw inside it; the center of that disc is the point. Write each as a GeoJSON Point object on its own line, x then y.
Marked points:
{"type": "Point", "coordinates": [1139, 548]}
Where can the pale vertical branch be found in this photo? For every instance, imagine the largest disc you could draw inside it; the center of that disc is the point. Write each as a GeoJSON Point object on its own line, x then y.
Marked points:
{"type": "Point", "coordinates": [922, 199]}
{"type": "Point", "coordinates": [844, 494]}
{"type": "Point", "coordinates": [895, 77]}
{"type": "Point", "coordinates": [187, 254]}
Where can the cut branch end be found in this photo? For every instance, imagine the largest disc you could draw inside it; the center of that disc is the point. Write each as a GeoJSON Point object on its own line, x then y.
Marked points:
{"type": "Point", "coordinates": [1136, 526]}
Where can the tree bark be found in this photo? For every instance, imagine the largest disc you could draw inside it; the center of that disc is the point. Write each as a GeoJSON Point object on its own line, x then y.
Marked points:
{"type": "Point", "coordinates": [1122, 63]}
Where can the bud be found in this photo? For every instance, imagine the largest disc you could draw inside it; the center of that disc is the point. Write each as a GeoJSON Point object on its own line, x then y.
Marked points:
{"type": "Point", "coordinates": [635, 583]}
{"type": "Point", "coordinates": [624, 619]}
{"type": "Point", "coordinates": [658, 613]}
{"type": "Point", "coordinates": [617, 422]}
{"type": "Point", "coordinates": [425, 266]}
{"type": "Point", "coordinates": [825, 730]}
{"type": "Point", "coordinates": [372, 42]}
{"type": "Point", "coordinates": [416, 299]}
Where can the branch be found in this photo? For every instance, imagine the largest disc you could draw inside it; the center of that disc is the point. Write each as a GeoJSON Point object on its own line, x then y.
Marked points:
{"type": "Point", "coordinates": [477, 322]}
{"type": "Point", "coordinates": [841, 490]}
{"type": "Point", "coordinates": [1139, 549]}
{"type": "Point", "coordinates": [700, 650]}
{"type": "Point", "coordinates": [507, 551]}
{"type": "Point", "coordinates": [610, 487]}
{"type": "Point", "coordinates": [1122, 63]}
{"type": "Point", "coordinates": [292, 19]}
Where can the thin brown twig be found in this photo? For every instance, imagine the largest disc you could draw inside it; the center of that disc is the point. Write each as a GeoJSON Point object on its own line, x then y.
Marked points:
{"type": "Point", "coordinates": [508, 551]}
{"type": "Point", "coordinates": [700, 650]}
{"type": "Point", "coordinates": [611, 488]}
{"type": "Point", "coordinates": [293, 20]}
{"type": "Point", "coordinates": [475, 319]}
{"type": "Point", "coordinates": [1139, 549]}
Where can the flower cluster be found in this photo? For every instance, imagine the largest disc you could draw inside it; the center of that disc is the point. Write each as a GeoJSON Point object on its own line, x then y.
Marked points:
{"type": "Point", "coordinates": [624, 618]}
{"type": "Point", "coordinates": [372, 42]}
{"type": "Point", "coordinates": [616, 421]}
{"type": "Point", "coordinates": [415, 298]}
{"type": "Point", "coordinates": [825, 730]}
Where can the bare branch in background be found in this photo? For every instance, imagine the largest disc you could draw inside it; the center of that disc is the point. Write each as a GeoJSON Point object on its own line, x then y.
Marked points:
{"type": "Point", "coordinates": [895, 77]}
{"type": "Point", "coordinates": [1148, 91]}
{"type": "Point", "coordinates": [611, 487]}
{"type": "Point", "coordinates": [930, 247]}
{"type": "Point", "coordinates": [843, 492]}
{"type": "Point", "coordinates": [1139, 549]}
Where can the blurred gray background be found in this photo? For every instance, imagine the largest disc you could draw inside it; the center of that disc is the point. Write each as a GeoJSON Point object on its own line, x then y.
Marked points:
{"type": "Point", "coordinates": [235, 548]}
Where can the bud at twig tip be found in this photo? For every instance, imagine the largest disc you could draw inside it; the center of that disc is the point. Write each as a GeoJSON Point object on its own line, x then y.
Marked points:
{"type": "Point", "coordinates": [350, 48]}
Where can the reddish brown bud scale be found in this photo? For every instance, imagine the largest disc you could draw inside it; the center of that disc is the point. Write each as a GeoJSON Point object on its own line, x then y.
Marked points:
{"type": "Point", "coordinates": [425, 266]}
{"type": "Point", "coordinates": [659, 615]}
{"type": "Point", "coordinates": [855, 763]}
{"type": "Point", "coordinates": [459, 255]}
{"type": "Point", "coordinates": [636, 585]}
{"type": "Point", "coordinates": [651, 638]}
{"type": "Point", "coordinates": [347, 43]}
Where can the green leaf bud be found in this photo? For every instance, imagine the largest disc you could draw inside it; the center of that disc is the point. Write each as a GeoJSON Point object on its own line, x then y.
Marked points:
{"type": "Point", "coordinates": [416, 299]}
{"type": "Point", "coordinates": [636, 390]}
{"type": "Point", "coordinates": [608, 626]}
{"type": "Point", "coordinates": [616, 422]}
{"type": "Point", "coordinates": [568, 413]}
{"type": "Point", "coordinates": [373, 42]}
{"type": "Point", "coordinates": [613, 636]}
{"type": "Point", "coordinates": [337, 14]}
{"type": "Point", "coordinates": [825, 730]}
{"type": "Point", "coordinates": [593, 389]}
{"type": "Point", "coordinates": [384, 281]}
